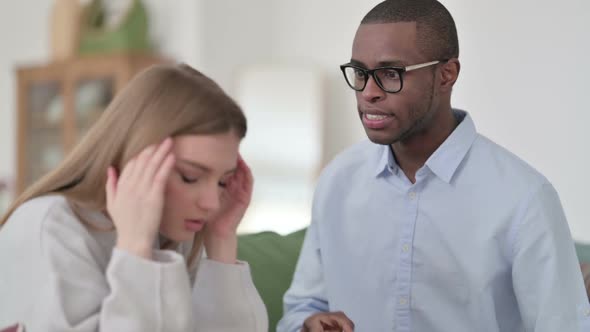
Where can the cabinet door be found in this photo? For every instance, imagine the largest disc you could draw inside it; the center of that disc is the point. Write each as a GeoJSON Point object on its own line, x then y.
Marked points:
{"type": "Point", "coordinates": [42, 134]}
{"type": "Point", "coordinates": [91, 97]}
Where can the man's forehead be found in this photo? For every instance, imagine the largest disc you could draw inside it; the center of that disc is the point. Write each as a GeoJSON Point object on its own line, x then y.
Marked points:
{"type": "Point", "coordinates": [385, 42]}
{"type": "Point", "coordinates": [398, 31]}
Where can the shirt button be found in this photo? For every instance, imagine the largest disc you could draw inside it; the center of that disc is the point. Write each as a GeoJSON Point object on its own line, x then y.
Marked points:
{"type": "Point", "coordinates": [403, 301]}
{"type": "Point", "coordinates": [412, 195]}
{"type": "Point", "coordinates": [587, 313]}
{"type": "Point", "coordinates": [405, 248]}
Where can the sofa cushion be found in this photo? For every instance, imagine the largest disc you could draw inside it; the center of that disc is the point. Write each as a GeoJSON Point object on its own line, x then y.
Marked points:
{"type": "Point", "coordinates": [272, 260]}
{"type": "Point", "coordinates": [583, 251]}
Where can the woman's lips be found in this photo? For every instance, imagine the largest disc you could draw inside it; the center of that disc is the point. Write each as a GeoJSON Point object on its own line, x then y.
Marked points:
{"type": "Point", "coordinates": [194, 225]}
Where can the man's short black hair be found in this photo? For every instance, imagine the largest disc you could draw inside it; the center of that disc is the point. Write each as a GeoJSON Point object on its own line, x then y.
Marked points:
{"type": "Point", "coordinates": [436, 31]}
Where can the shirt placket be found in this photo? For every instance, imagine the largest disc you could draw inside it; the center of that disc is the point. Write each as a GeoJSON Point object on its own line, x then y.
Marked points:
{"type": "Point", "coordinates": [403, 291]}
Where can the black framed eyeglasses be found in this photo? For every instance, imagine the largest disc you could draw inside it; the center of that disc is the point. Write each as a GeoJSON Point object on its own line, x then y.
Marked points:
{"type": "Point", "coordinates": [389, 79]}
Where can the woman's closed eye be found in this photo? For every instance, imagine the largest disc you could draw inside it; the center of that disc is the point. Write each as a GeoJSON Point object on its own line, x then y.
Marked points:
{"type": "Point", "coordinates": [188, 179]}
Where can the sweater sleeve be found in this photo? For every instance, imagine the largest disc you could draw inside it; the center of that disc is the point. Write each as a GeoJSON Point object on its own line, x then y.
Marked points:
{"type": "Point", "coordinates": [226, 300]}
{"type": "Point", "coordinates": [73, 280]}
{"type": "Point", "coordinates": [133, 294]}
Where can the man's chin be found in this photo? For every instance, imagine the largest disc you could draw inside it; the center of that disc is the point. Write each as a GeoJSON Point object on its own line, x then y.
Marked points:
{"type": "Point", "coordinates": [381, 137]}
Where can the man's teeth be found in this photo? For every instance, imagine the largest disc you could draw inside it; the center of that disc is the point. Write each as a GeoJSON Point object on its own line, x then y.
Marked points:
{"type": "Point", "coordinates": [375, 116]}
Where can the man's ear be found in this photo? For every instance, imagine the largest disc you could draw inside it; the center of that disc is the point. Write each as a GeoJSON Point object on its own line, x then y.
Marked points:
{"type": "Point", "coordinates": [449, 74]}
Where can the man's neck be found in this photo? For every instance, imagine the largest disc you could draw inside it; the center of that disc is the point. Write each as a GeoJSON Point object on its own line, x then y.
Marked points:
{"type": "Point", "coordinates": [411, 153]}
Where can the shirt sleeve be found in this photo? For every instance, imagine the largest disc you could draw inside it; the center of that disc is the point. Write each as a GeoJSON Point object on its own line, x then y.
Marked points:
{"type": "Point", "coordinates": [306, 295]}
{"type": "Point", "coordinates": [226, 300]}
{"type": "Point", "coordinates": [546, 274]}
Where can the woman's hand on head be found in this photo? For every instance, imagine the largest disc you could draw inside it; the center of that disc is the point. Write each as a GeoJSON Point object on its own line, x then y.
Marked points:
{"type": "Point", "coordinates": [221, 230]}
{"type": "Point", "coordinates": [135, 198]}
{"type": "Point", "coordinates": [234, 202]}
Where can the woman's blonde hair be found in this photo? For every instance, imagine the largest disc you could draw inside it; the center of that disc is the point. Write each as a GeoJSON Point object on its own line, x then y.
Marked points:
{"type": "Point", "coordinates": [162, 101]}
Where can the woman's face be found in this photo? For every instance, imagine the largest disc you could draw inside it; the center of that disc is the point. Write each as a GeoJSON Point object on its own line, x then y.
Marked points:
{"type": "Point", "coordinates": [203, 165]}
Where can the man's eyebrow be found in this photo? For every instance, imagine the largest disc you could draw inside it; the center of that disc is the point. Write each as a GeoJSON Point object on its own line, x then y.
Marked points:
{"type": "Point", "coordinates": [390, 63]}
{"type": "Point", "coordinates": [357, 63]}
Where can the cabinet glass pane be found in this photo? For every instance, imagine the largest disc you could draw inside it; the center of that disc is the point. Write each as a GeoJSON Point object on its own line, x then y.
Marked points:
{"type": "Point", "coordinates": [91, 98]}
{"type": "Point", "coordinates": [44, 148]}
{"type": "Point", "coordinates": [45, 106]}
{"type": "Point", "coordinates": [44, 152]}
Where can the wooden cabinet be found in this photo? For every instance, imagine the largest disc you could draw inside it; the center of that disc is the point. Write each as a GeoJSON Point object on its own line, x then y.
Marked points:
{"type": "Point", "coordinates": [58, 102]}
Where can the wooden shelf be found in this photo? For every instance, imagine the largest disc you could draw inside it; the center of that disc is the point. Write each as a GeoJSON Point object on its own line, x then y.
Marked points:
{"type": "Point", "coordinates": [64, 80]}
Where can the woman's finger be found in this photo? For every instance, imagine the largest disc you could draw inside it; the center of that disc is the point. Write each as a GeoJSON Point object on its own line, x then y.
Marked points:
{"type": "Point", "coordinates": [237, 183]}
{"type": "Point", "coordinates": [111, 186]}
{"type": "Point", "coordinates": [247, 171]}
{"type": "Point", "coordinates": [247, 179]}
{"type": "Point", "coordinates": [155, 161]}
{"type": "Point", "coordinates": [128, 170]}
{"type": "Point", "coordinates": [161, 176]}
{"type": "Point", "coordinates": [141, 160]}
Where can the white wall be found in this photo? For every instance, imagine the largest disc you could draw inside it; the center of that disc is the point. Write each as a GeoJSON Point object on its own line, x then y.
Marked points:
{"type": "Point", "coordinates": [525, 78]}
{"type": "Point", "coordinates": [306, 32]}
{"type": "Point", "coordinates": [301, 40]}
{"type": "Point", "coordinates": [175, 28]}
{"type": "Point", "coordinates": [23, 34]}
{"type": "Point", "coordinates": [524, 71]}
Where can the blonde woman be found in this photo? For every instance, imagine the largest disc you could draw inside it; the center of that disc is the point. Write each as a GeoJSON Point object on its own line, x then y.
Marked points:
{"type": "Point", "coordinates": [112, 239]}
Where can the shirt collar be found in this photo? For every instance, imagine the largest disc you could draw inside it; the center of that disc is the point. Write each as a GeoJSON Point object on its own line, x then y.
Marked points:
{"type": "Point", "coordinates": [386, 161]}
{"type": "Point", "coordinates": [447, 158]}
{"type": "Point", "coordinates": [449, 155]}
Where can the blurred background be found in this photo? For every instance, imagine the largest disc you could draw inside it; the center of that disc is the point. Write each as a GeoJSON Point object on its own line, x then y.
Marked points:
{"type": "Point", "coordinates": [524, 79]}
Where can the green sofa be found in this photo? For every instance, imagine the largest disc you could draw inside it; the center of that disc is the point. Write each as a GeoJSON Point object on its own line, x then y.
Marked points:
{"type": "Point", "coordinates": [272, 260]}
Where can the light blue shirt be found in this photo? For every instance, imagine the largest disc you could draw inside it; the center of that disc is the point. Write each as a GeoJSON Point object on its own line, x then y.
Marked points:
{"type": "Point", "coordinates": [479, 243]}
